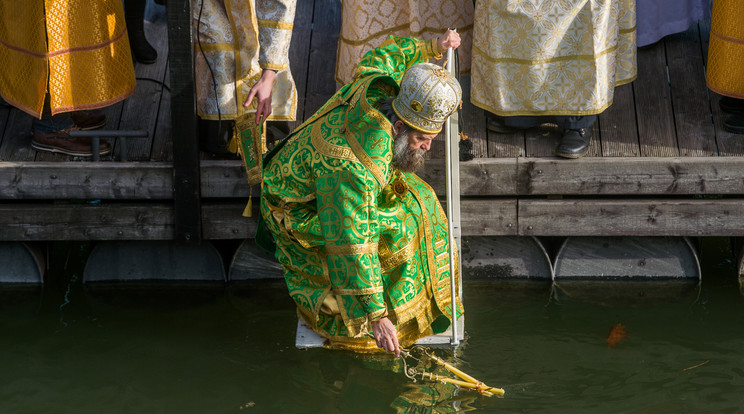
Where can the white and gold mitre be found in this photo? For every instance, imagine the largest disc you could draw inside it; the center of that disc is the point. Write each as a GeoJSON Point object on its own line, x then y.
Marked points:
{"type": "Point", "coordinates": [428, 95]}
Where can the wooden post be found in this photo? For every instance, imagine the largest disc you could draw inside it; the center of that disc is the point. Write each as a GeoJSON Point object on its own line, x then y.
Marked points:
{"type": "Point", "coordinates": [186, 179]}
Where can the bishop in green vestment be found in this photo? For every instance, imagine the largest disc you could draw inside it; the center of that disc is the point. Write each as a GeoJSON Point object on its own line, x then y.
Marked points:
{"type": "Point", "coordinates": [362, 240]}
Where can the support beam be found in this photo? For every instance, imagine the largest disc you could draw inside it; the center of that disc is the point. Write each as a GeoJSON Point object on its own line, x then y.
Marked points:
{"type": "Point", "coordinates": [186, 180]}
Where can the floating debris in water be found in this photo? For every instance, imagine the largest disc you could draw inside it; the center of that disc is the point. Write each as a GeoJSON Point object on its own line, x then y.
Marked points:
{"type": "Point", "coordinates": [617, 334]}
{"type": "Point", "coordinates": [696, 366]}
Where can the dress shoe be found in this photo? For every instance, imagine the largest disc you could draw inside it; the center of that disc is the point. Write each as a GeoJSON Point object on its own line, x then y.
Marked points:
{"type": "Point", "coordinates": [734, 124]}
{"type": "Point", "coordinates": [574, 143]}
{"type": "Point", "coordinates": [141, 49]}
{"type": "Point", "coordinates": [61, 142]}
{"type": "Point", "coordinates": [87, 120]}
{"type": "Point", "coordinates": [731, 105]}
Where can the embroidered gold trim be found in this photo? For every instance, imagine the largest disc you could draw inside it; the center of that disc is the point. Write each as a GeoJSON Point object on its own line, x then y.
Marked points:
{"type": "Point", "coordinates": [214, 47]}
{"type": "Point", "coordinates": [427, 233]}
{"type": "Point", "coordinates": [357, 292]}
{"type": "Point", "coordinates": [272, 66]}
{"type": "Point", "coordinates": [330, 150]}
{"type": "Point", "coordinates": [541, 112]}
{"type": "Point", "coordinates": [359, 151]}
{"type": "Point", "coordinates": [273, 24]}
{"type": "Point", "coordinates": [352, 248]}
{"type": "Point", "coordinates": [568, 58]}
{"type": "Point", "coordinates": [402, 255]}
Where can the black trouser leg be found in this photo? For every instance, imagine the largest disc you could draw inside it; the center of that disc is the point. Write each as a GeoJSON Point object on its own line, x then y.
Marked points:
{"type": "Point", "coordinates": [134, 12]}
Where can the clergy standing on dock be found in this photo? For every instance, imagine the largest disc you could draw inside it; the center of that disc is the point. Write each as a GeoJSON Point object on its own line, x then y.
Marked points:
{"type": "Point", "coordinates": [537, 62]}
{"type": "Point", "coordinates": [362, 240]}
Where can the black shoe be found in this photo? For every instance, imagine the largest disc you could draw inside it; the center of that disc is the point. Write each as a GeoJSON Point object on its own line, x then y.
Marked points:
{"type": "Point", "coordinates": [731, 105]}
{"type": "Point", "coordinates": [734, 124]}
{"type": "Point", "coordinates": [141, 49]}
{"type": "Point", "coordinates": [495, 125]}
{"type": "Point", "coordinates": [574, 143]}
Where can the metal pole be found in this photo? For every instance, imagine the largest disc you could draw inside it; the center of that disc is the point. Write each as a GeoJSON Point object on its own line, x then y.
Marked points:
{"type": "Point", "coordinates": [450, 186]}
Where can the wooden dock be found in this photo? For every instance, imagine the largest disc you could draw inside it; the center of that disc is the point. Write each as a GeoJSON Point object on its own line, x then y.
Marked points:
{"type": "Point", "coordinates": [660, 163]}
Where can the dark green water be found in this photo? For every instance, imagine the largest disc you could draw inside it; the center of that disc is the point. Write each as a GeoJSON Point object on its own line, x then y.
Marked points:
{"type": "Point", "coordinates": [71, 349]}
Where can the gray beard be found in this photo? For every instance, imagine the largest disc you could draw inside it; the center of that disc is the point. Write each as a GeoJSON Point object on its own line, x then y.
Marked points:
{"type": "Point", "coordinates": [404, 158]}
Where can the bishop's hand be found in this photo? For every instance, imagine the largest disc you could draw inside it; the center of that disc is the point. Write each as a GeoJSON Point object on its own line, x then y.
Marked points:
{"type": "Point", "coordinates": [450, 39]}
{"type": "Point", "coordinates": [386, 336]}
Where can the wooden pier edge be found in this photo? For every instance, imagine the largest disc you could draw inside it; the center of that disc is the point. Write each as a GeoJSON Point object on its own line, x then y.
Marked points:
{"type": "Point", "coordinates": [478, 178]}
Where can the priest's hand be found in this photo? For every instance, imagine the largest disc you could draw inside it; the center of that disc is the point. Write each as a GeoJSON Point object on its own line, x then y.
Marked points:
{"type": "Point", "coordinates": [450, 39]}
{"type": "Point", "coordinates": [386, 336]}
{"type": "Point", "coordinates": [262, 92]}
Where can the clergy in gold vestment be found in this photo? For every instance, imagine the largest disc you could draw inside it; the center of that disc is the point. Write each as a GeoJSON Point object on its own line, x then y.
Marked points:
{"type": "Point", "coordinates": [242, 47]}
{"type": "Point", "coordinates": [367, 23]}
{"type": "Point", "coordinates": [725, 72]}
{"type": "Point", "coordinates": [76, 50]}
{"type": "Point", "coordinates": [362, 240]}
{"type": "Point", "coordinates": [552, 58]}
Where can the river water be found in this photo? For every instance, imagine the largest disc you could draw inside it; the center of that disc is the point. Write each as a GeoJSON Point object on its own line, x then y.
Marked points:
{"type": "Point", "coordinates": [70, 348]}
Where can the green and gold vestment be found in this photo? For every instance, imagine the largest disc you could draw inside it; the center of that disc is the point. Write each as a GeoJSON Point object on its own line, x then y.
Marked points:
{"type": "Point", "coordinates": [358, 239]}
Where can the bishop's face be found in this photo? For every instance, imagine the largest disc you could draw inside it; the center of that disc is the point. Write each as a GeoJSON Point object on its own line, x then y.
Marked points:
{"type": "Point", "coordinates": [410, 147]}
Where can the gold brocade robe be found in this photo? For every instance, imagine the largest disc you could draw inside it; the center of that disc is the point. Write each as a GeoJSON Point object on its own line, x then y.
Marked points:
{"type": "Point", "coordinates": [725, 73]}
{"type": "Point", "coordinates": [236, 41]}
{"type": "Point", "coordinates": [536, 57]}
{"type": "Point", "coordinates": [76, 50]}
{"type": "Point", "coordinates": [367, 23]}
{"type": "Point", "coordinates": [354, 249]}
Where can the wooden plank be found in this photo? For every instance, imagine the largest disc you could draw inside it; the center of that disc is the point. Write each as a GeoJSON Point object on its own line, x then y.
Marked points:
{"type": "Point", "coordinates": [617, 125]}
{"type": "Point", "coordinates": [183, 120]}
{"type": "Point", "coordinates": [299, 51]}
{"type": "Point", "coordinates": [83, 221]}
{"type": "Point", "coordinates": [728, 144]}
{"type": "Point", "coordinates": [226, 179]}
{"type": "Point", "coordinates": [541, 142]}
{"type": "Point", "coordinates": [488, 217]}
{"type": "Point", "coordinates": [480, 176]}
{"type": "Point", "coordinates": [506, 145]}
{"type": "Point", "coordinates": [323, 43]}
{"type": "Point", "coordinates": [654, 104]}
{"type": "Point", "coordinates": [481, 217]}
{"type": "Point", "coordinates": [652, 217]}
{"type": "Point", "coordinates": [595, 145]}
{"type": "Point", "coordinates": [141, 110]}
{"type": "Point", "coordinates": [112, 180]}
{"type": "Point", "coordinates": [162, 140]}
{"type": "Point", "coordinates": [224, 221]}
{"type": "Point", "coordinates": [692, 117]}
{"type": "Point", "coordinates": [631, 176]}
{"type": "Point", "coordinates": [90, 180]}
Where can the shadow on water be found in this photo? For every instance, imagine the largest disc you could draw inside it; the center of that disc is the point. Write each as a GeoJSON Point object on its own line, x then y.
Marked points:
{"type": "Point", "coordinates": [70, 348]}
